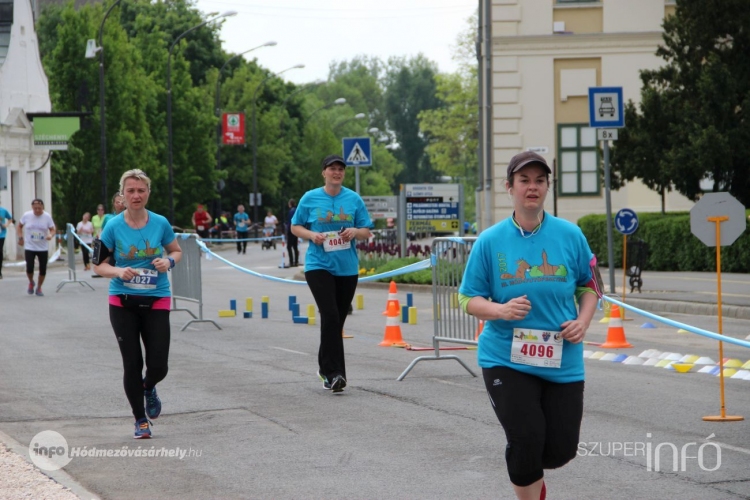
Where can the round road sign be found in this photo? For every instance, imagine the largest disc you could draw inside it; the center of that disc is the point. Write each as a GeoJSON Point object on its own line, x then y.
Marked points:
{"type": "Point", "coordinates": [626, 221]}
{"type": "Point", "coordinates": [713, 205]}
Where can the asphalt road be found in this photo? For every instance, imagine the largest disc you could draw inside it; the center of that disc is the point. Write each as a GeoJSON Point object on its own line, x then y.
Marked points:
{"type": "Point", "coordinates": [245, 404]}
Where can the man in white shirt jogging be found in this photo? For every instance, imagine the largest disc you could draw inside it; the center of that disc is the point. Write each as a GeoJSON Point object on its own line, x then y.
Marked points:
{"type": "Point", "coordinates": [35, 229]}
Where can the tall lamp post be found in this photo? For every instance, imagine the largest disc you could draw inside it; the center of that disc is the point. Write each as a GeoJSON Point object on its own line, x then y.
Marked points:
{"type": "Point", "coordinates": [169, 106]}
{"type": "Point", "coordinates": [255, 139]}
{"type": "Point", "coordinates": [102, 116]}
{"type": "Point", "coordinates": [218, 110]}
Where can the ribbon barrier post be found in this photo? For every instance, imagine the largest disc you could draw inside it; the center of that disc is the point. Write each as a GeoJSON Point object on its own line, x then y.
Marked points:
{"type": "Point", "coordinates": [723, 417]}
{"type": "Point", "coordinates": [70, 236]}
{"type": "Point", "coordinates": [187, 284]}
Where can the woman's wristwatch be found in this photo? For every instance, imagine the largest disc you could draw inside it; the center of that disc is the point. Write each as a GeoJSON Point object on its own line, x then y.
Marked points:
{"type": "Point", "coordinates": [171, 263]}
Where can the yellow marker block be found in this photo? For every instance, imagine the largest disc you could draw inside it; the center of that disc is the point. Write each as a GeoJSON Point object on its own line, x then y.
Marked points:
{"type": "Point", "coordinates": [265, 298]}
{"type": "Point", "coordinates": [681, 330]}
{"type": "Point", "coordinates": [732, 363]}
{"type": "Point", "coordinates": [310, 314]}
{"type": "Point", "coordinates": [746, 366]}
{"type": "Point", "coordinates": [227, 313]}
{"type": "Point", "coordinates": [728, 372]}
{"type": "Point", "coordinates": [412, 315]}
{"type": "Point", "coordinates": [360, 301]}
{"type": "Point", "coordinates": [454, 300]}
{"type": "Point", "coordinates": [249, 304]}
{"type": "Point", "coordinates": [663, 363]}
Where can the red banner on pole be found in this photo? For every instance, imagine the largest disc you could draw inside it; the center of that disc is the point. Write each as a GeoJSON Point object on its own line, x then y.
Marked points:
{"type": "Point", "coordinates": [233, 129]}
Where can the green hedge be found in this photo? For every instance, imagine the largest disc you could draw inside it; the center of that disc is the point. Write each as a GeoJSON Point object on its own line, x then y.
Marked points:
{"type": "Point", "coordinates": [671, 245]}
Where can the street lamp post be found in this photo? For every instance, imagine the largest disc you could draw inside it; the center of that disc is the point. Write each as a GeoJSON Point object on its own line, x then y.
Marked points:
{"type": "Point", "coordinates": [169, 106]}
{"type": "Point", "coordinates": [102, 116]}
{"type": "Point", "coordinates": [255, 140]}
{"type": "Point", "coordinates": [218, 111]}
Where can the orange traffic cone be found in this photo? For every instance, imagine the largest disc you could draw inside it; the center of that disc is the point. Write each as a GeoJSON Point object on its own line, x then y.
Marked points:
{"type": "Point", "coordinates": [392, 337]}
{"type": "Point", "coordinates": [478, 332]}
{"type": "Point", "coordinates": [615, 332]}
{"type": "Point", "coordinates": [392, 297]}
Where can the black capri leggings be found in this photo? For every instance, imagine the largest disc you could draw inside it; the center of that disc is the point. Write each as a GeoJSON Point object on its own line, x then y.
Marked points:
{"type": "Point", "coordinates": [131, 324]}
{"type": "Point", "coordinates": [30, 255]}
{"type": "Point", "coordinates": [333, 295]}
{"type": "Point", "coordinates": [541, 419]}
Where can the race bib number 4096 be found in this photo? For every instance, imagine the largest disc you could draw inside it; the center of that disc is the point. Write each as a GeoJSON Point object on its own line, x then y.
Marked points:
{"type": "Point", "coordinates": [537, 348]}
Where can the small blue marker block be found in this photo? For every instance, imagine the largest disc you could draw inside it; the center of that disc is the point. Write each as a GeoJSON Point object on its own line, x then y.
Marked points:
{"type": "Point", "coordinates": [264, 310]}
{"type": "Point", "coordinates": [295, 310]}
{"type": "Point", "coordinates": [233, 305]}
{"type": "Point", "coordinates": [299, 319]}
{"type": "Point", "coordinates": [714, 371]}
{"type": "Point", "coordinates": [620, 358]}
{"type": "Point", "coordinates": [404, 314]}
{"type": "Point", "coordinates": [410, 300]}
{"type": "Point", "coordinates": [647, 325]}
{"type": "Point", "coordinates": [292, 301]}
{"type": "Point", "coordinates": [247, 314]}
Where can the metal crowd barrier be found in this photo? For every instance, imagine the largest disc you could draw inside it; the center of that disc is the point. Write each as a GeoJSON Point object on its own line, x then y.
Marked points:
{"type": "Point", "coordinates": [187, 284]}
{"type": "Point", "coordinates": [452, 324]}
{"type": "Point", "coordinates": [70, 236]}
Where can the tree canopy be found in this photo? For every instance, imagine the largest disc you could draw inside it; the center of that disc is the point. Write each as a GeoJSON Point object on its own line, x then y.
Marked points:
{"type": "Point", "coordinates": [691, 131]}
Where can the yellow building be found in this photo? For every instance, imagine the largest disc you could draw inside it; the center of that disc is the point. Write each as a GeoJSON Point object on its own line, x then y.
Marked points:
{"type": "Point", "coordinates": [544, 55]}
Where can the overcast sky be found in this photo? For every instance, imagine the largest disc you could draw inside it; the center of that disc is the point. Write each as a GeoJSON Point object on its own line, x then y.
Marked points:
{"type": "Point", "coordinates": [317, 32]}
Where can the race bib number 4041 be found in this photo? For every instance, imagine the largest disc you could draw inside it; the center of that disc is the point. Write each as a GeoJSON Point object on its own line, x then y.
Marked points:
{"type": "Point", "coordinates": [537, 348]}
{"type": "Point", "coordinates": [334, 242]}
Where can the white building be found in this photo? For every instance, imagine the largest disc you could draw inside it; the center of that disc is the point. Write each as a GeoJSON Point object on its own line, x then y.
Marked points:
{"type": "Point", "coordinates": [24, 168]}
{"type": "Point", "coordinates": [543, 57]}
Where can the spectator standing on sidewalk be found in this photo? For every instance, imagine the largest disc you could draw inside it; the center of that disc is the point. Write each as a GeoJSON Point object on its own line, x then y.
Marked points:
{"type": "Point", "coordinates": [6, 219]}
{"type": "Point", "coordinates": [241, 228]}
{"type": "Point", "coordinates": [35, 229]}
{"type": "Point", "coordinates": [291, 238]}
{"type": "Point", "coordinates": [85, 231]}
{"type": "Point", "coordinates": [98, 220]}
{"type": "Point", "coordinates": [332, 217]}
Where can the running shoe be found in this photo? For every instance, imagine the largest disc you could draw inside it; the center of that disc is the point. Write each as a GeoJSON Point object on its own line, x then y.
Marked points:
{"type": "Point", "coordinates": [326, 383]}
{"type": "Point", "coordinates": [153, 403]}
{"type": "Point", "coordinates": [338, 383]}
{"type": "Point", "coordinates": [142, 429]}
{"type": "Point", "coordinates": [39, 292]}
{"type": "Point", "coordinates": [30, 290]}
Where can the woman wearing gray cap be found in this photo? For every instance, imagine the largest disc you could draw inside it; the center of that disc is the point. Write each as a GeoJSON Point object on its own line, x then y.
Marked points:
{"type": "Point", "coordinates": [331, 218]}
{"type": "Point", "coordinates": [529, 278]}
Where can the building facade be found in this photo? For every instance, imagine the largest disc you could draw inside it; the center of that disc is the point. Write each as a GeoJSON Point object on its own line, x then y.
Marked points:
{"type": "Point", "coordinates": [543, 57]}
{"type": "Point", "coordinates": [24, 168]}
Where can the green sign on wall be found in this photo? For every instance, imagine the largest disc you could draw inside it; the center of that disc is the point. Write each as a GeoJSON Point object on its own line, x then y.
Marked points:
{"type": "Point", "coordinates": [53, 132]}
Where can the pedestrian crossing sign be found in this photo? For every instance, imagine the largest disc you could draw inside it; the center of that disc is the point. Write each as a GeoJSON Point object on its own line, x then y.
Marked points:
{"type": "Point", "coordinates": [357, 151]}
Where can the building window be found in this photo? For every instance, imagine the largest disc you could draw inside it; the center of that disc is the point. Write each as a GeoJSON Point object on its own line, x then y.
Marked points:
{"type": "Point", "coordinates": [578, 174]}
{"type": "Point", "coordinates": [6, 12]}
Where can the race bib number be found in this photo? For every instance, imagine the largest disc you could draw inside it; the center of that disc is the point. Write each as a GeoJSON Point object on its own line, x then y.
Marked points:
{"type": "Point", "coordinates": [334, 242]}
{"type": "Point", "coordinates": [240, 225]}
{"type": "Point", "coordinates": [537, 348]}
{"type": "Point", "coordinates": [144, 280]}
{"type": "Point", "coordinates": [36, 235]}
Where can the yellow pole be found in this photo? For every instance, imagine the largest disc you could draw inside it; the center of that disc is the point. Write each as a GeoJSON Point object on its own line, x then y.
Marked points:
{"type": "Point", "coordinates": [723, 417]}
{"type": "Point", "coordinates": [624, 271]}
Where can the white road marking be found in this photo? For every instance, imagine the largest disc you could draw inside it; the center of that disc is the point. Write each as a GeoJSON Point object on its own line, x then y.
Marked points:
{"type": "Point", "coordinates": [289, 350]}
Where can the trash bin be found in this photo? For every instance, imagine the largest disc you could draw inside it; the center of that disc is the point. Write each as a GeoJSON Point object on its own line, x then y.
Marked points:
{"type": "Point", "coordinates": [637, 253]}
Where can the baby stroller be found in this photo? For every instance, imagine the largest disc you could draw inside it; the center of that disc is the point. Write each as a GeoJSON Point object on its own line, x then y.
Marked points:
{"type": "Point", "coordinates": [268, 241]}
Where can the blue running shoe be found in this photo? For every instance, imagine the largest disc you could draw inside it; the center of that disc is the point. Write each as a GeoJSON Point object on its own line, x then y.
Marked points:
{"type": "Point", "coordinates": [142, 429]}
{"type": "Point", "coordinates": [326, 383]}
{"type": "Point", "coordinates": [153, 403]}
{"type": "Point", "coordinates": [30, 289]}
{"type": "Point", "coordinates": [338, 383]}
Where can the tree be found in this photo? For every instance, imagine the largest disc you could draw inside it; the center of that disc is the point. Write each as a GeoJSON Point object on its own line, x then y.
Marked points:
{"type": "Point", "coordinates": [693, 123]}
{"type": "Point", "coordinates": [410, 89]}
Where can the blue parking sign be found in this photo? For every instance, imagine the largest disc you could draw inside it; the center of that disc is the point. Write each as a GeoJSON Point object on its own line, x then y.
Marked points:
{"type": "Point", "coordinates": [606, 108]}
{"type": "Point", "coordinates": [357, 151]}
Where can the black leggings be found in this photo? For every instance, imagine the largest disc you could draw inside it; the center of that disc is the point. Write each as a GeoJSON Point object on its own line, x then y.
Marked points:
{"type": "Point", "coordinates": [30, 255]}
{"type": "Point", "coordinates": [541, 419]}
{"type": "Point", "coordinates": [332, 294]}
{"type": "Point", "coordinates": [2, 244]}
{"type": "Point", "coordinates": [242, 245]}
{"type": "Point", "coordinates": [291, 242]}
{"type": "Point", "coordinates": [85, 254]}
{"type": "Point", "coordinates": [131, 325]}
